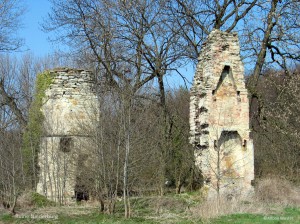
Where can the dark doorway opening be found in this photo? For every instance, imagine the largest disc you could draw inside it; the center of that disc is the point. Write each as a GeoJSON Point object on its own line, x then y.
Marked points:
{"type": "Point", "coordinates": [65, 144]}
{"type": "Point", "coordinates": [81, 194]}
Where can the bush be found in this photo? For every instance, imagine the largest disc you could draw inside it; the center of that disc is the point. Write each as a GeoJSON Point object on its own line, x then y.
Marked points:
{"type": "Point", "coordinates": [268, 192]}
{"type": "Point", "coordinates": [40, 200]}
{"type": "Point", "coordinates": [277, 190]}
{"type": "Point", "coordinates": [32, 199]}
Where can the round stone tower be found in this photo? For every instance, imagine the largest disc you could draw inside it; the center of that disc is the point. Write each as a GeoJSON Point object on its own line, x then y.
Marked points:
{"type": "Point", "coordinates": [70, 109]}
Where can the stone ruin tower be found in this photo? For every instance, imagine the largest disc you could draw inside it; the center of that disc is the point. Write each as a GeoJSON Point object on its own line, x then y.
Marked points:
{"type": "Point", "coordinates": [219, 118]}
{"type": "Point", "coordinates": [70, 110]}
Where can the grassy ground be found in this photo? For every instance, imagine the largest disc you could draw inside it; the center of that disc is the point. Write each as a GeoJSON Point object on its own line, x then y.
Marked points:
{"type": "Point", "coordinates": [182, 209]}
{"type": "Point", "coordinates": [287, 216]}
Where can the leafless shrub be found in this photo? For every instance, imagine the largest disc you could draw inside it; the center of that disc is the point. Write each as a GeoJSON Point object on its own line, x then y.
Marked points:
{"type": "Point", "coordinates": [277, 190]}
{"type": "Point", "coordinates": [268, 192]}
{"type": "Point", "coordinates": [217, 207]}
{"type": "Point", "coordinates": [25, 200]}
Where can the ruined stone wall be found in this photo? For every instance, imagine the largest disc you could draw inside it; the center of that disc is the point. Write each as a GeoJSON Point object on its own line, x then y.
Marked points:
{"type": "Point", "coordinates": [219, 117]}
{"type": "Point", "coordinates": [70, 109]}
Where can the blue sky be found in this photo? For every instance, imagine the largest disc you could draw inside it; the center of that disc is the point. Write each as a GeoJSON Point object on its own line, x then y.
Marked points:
{"type": "Point", "coordinates": [35, 39]}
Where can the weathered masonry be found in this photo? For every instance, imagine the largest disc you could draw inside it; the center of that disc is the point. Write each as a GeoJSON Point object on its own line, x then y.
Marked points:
{"type": "Point", "coordinates": [219, 118]}
{"type": "Point", "coordinates": [70, 110]}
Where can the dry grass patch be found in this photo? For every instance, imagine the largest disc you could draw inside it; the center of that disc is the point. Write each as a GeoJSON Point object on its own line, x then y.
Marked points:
{"type": "Point", "coordinates": [272, 195]}
{"type": "Point", "coordinates": [214, 208]}
{"type": "Point", "coordinates": [277, 191]}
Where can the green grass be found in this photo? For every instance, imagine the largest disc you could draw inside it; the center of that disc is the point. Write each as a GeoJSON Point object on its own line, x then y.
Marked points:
{"type": "Point", "coordinates": [6, 218]}
{"type": "Point", "coordinates": [167, 209]}
{"type": "Point", "coordinates": [100, 218]}
{"type": "Point", "coordinates": [288, 216]}
{"type": "Point", "coordinates": [239, 218]}
{"type": "Point", "coordinates": [73, 219]}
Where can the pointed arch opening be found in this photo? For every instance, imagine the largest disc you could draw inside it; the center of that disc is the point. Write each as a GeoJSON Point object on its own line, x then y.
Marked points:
{"type": "Point", "coordinates": [226, 79]}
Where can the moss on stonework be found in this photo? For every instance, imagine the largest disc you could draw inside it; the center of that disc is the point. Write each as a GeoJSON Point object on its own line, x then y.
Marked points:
{"type": "Point", "coordinates": [34, 130]}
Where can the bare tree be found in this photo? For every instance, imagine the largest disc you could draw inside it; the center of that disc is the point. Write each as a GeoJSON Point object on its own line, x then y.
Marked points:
{"type": "Point", "coordinates": [276, 129]}
{"type": "Point", "coordinates": [271, 36]}
{"type": "Point", "coordinates": [267, 29]}
{"type": "Point", "coordinates": [10, 20]}
{"type": "Point", "coordinates": [198, 18]}
{"type": "Point", "coordinates": [8, 81]}
{"type": "Point", "coordinates": [12, 121]}
{"type": "Point", "coordinates": [11, 170]}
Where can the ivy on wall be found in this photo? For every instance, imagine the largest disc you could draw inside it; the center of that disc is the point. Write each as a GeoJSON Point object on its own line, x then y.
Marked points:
{"type": "Point", "coordinates": [34, 130]}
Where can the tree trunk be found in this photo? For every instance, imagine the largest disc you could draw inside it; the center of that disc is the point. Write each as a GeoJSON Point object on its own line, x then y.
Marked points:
{"type": "Point", "coordinates": [164, 145]}
{"type": "Point", "coordinates": [253, 82]}
{"type": "Point", "coordinates": [13, 206]}
{"type": "Point", "coordinates": [262, 54]}
{"type": "Point", "coordinates": [125, 184]}
{"type": "Point", "coordinates": [101, 204]}
{"type": "Point", "coordinates": [127, 124]}
{"type": "Point", "coordinates": [178, 186]}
